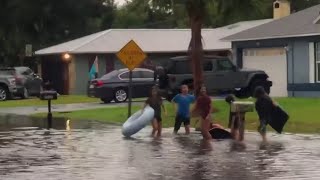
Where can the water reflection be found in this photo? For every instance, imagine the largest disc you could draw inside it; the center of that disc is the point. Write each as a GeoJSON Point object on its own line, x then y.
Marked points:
{"type": "Point", "coordinates": [92, 150]}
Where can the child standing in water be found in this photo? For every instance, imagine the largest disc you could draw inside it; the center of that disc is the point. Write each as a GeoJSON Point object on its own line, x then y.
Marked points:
{"type": "Point", "coordinates": [264, 107]}
{"type": "Point", "coordinates": [155, 102]}
{"type": "Point", "coordinates": [183, 101]}
{"type": "Point", "coordinates": [204, 109]}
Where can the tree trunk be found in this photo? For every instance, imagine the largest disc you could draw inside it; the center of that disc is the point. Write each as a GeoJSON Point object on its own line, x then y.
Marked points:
{"type": "Point", "coordinates": [196, 53]}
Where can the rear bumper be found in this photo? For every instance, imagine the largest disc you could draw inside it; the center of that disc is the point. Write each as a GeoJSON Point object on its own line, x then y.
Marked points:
{"type": "Point", "coordinates": [102, 92]}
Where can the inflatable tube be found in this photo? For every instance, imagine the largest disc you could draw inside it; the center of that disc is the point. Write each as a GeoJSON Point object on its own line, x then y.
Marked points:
{"type": "Point", "coordinates": [218, 133]}
{"type": "Point", "coordinates": [137, 121]}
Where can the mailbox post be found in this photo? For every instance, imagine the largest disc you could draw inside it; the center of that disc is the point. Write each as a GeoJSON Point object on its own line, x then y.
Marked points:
{"type": "Point", "coordinates": [49, 95]}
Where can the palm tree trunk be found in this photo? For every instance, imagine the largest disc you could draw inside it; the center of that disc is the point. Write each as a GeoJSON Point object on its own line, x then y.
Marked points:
{"type": "Point", "coordinates": [196, 53]}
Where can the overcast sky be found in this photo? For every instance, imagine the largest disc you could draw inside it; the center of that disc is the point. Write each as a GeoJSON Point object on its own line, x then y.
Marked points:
{"type": "Point", "coordinates": [120, 1]}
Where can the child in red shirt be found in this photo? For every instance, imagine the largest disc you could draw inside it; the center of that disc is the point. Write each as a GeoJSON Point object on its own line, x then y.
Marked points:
{"type": "Point", "coordinates": [204, 110]}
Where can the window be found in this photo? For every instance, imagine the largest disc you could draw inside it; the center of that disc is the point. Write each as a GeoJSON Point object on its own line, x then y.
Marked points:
{"type": "Point", "coordinates": [28, 72]}
{"type": "Point", "coordinates": [124, 75]}
{"type": "Point", "coordinates": [318, 61]}
{"type": "Point", "coordinates": [147, 74]}
{"type": "Point", "coordinates": [207, 66]}
{"type": "Point", "coordinates": [136, 74]}
{"type": "Point", "coordinates": [224, 65]}
{"type": "Point", "coordinates": [110, 75]}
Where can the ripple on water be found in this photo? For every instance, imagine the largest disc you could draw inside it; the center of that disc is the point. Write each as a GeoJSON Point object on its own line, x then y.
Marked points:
{"type": "Point", "coordinates": [92, 150]}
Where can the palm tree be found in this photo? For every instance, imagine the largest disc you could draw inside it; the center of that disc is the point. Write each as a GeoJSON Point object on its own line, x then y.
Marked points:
{"type": "Point", "coordinates": [196, 12]}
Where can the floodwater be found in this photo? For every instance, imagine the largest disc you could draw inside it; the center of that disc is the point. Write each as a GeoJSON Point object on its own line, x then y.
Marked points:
{"type": "Point", "coordinates": [93, 150]}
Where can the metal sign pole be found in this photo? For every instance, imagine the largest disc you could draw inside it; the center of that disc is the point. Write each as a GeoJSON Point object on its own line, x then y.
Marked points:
{"type": "Point", "coordinates": [130, 94]}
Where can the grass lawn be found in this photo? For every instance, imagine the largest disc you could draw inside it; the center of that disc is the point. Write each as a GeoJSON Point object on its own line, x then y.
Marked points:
{"type": "Point", "coordinates": [70, 99]}
{"type": "Point", "coordinates": [304, 117]}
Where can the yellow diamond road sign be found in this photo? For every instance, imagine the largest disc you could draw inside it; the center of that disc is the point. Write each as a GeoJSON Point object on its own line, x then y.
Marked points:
{"type": "Point", "coordinates": [131, 55]}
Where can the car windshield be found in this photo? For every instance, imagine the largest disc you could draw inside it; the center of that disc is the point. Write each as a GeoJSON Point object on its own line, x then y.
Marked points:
{"type": "Point", "coordinates": [179, 67]}
{"type": "Point", "coordinates": [7, 72]}
{"type": "Point", "coordinates": [110, 75]}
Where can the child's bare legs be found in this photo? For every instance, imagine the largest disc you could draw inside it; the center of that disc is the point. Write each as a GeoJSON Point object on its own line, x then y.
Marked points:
{"type": "Point", "coordinates": [263, 130]}
{"type": "Point", "coordinates": [154, 127]}
{"type": "Point", "coordinates": [205, 127]}
{"type": "Point", "coordinates": [187, 127]}
{"type": "Point", "coordinates": [159, 128]}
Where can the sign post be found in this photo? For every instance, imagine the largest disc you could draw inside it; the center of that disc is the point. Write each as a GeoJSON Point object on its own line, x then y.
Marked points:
{"type": "Point", "coordinates": [131, 55]}
{"type": "Point", "coordinates": [130, 94]}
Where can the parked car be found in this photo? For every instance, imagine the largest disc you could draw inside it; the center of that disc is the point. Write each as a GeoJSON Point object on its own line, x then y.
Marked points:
{"type": "Point", "coordinates": [18, 81]}
{"type": "Point", "coordinates": [220, 75]}
{"type": "Point", "coordinates": [114, 85]}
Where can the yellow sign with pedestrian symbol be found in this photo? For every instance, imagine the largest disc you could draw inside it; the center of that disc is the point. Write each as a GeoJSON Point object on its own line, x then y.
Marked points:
{"type": "Point", "coordinates": [131, 55]}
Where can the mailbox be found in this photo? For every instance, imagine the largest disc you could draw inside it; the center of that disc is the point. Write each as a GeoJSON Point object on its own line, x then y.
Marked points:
{"type": "Point", "coordinates": [48, 95]}
{"type": "Point", "coordinates": [242, 106]}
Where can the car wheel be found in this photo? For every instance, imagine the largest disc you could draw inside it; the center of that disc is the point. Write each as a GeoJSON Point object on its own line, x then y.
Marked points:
{"type": "Point", "coordinates": [4, 94]}
{"type": "Point", "coordinates": [120, 95]}
{"type": "Point", "coordinates": [25, 94]}
{"type": "Point", "coordinates": [106, 100]}
{"type": "Point", "coordinates": [242, 93]}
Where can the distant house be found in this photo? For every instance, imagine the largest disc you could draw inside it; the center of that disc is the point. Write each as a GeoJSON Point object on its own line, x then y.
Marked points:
{"type": "Point", "coordinates": [67, 65]}
{"type": "Point", "coordinates": [288, 49]}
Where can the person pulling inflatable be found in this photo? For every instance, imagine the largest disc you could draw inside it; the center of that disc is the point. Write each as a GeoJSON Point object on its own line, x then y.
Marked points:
{"type": "Point", "coordinates": [156, 103]}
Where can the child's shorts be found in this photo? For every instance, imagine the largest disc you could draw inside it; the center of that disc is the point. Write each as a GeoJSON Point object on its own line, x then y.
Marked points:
{"type": "Point", "coordinates": [180, 120]}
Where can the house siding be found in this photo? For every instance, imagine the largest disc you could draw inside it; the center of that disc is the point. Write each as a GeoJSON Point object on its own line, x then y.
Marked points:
{"type": "Point", "coordinates": [297, 61]}
{"type": "Point", "coordinates": [81, 67]}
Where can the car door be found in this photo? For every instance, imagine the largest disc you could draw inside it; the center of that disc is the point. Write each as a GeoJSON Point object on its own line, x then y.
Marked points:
{"type": "Point", "coordinates": [148, 82]}
{"type": "Point", "coordinates": [32, 82]}
{"type": "Point", "coordinates": [208, 70]}
{"type": "Point", "coordinates": [143, 81]}
{"type": "Point", "coordinates": [226, 74]}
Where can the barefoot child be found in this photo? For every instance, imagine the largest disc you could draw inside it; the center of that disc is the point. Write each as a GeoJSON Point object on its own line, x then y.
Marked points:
{"type": "Point", "coordinates": [183, 101]}
{"type": "Point", "coordinates": [155, 102]}
{"type": "Point", "coordinates": [264, 107]}
{"type": "Point", "coordinates": [203, 108]}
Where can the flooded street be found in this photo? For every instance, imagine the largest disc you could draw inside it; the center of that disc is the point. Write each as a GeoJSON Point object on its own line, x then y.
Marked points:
{"type": "Point", "coordinates": [93, 150]}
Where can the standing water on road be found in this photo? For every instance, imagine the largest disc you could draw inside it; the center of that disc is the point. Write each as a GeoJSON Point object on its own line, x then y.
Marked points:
{"type": "Point", "coordinates": [93, 150]}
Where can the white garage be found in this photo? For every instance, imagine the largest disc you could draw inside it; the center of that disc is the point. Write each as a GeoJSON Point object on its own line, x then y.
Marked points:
{"type": "Point", "coordinates": [274, 62]}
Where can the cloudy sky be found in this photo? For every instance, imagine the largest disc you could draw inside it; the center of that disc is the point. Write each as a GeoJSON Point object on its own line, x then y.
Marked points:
{"type": "Point", "coordinates": [120, 1]}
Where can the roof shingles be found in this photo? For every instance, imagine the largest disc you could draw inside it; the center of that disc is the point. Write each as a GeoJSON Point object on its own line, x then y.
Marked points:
{"type": "Point", "coordinates": [150, 40]}
{"type": "Point", "coordinates": [296, 25]}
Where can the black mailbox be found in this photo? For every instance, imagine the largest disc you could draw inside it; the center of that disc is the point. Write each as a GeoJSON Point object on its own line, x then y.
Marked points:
{"type": "Point", "coordinates": [48, 95]}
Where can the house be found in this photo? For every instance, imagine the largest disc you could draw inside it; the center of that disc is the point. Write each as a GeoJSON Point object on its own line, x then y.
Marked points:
{"type": "Point", "coordinates": [288, 49]}
{"type": "Point", "coordinates": [67, 65]}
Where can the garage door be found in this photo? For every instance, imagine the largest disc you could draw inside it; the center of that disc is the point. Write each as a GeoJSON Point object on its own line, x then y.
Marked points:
{"type": "Point", "coordinates": [274, 62]}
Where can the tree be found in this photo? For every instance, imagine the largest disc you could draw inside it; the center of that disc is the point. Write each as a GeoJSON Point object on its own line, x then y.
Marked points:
{"type": "Point", "coordinates": [196, 12]}
{"type": "Point", "coordinates": [46, 22]}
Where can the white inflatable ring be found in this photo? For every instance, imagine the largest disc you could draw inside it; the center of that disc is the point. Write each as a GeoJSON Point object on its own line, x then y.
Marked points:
{"type": "Point", "coordinates": [137, 121]}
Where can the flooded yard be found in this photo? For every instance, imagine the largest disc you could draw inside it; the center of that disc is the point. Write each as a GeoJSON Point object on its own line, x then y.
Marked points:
{"type": "Point", "coordinates": [93, 150]}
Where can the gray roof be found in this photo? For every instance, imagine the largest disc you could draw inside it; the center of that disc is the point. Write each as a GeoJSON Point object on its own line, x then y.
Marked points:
{"type": "Point", "coordinates": [300, 24]}
{"type": "Point", "coordinates": [150, 40]}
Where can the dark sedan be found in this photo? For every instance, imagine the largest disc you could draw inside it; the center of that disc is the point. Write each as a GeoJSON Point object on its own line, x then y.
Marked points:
{"type": "Point", "coordinates": [114, 85]}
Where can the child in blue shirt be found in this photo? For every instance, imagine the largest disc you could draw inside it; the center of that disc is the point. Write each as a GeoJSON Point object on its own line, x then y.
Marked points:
{"type": "Point", "coordinates": [183, 101]}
